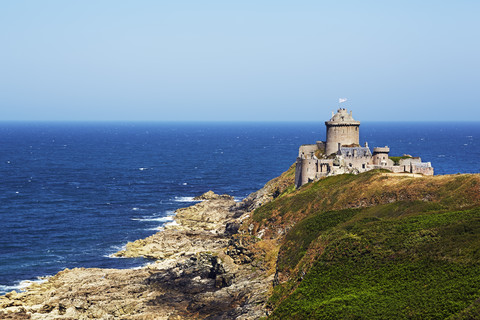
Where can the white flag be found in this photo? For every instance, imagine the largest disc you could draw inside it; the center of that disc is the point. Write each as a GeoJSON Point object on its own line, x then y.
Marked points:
{"type": "Point", "coordinates": [342, 100]}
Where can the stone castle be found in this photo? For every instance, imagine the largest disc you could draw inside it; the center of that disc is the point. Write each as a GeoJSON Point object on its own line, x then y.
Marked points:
{"type": "Point", "coordinates": [342, 153]}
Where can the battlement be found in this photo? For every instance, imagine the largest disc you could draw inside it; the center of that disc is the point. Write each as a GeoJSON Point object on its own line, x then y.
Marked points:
{"type": "Point", "coordinates": [342, 118]}
{"type": "Point", "coordinates": [381, 150]}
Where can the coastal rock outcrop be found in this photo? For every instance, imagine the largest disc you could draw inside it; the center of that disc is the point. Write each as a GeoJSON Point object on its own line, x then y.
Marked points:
{"type": "Point", "coordinates": [195, 229]}
{"type": "Point", "coordinates": [210, 195]}
{"type": "Point", "coordinates": [195, 273]}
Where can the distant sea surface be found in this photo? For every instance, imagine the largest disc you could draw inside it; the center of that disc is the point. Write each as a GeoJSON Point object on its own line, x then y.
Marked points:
{"type": "Point", "coordinates": [71, 194]}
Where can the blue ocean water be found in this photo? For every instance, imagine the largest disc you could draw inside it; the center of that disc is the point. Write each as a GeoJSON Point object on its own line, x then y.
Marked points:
{"type": "Point", "coordinates": [71, 194]}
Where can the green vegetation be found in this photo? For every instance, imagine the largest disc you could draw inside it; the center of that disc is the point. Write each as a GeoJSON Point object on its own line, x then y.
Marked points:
{"type": "Point", "coordinates": [423, 267]}
{"type": "Point", "coordinates": [377, 246]}
{"type": "Point", "coordinates": [303, 233]}
{"type": "Point", "coordinates": [396, 160]}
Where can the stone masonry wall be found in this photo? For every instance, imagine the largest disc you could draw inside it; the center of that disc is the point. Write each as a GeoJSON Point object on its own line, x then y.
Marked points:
{"type": "Point", "coordinates": [343, 134]}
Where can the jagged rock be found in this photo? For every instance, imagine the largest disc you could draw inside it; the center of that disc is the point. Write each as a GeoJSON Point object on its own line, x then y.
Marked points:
{"type": "Point", "coordinates": [192, 277]}
{"type": "Point", "coordinates": [210, 195]}
{"type": "Point", "coordinates": [232, 227]}
{"type": "Point", "coordinates": [20, 315]}
{"type": "Point", "coordinates": [198, 228]}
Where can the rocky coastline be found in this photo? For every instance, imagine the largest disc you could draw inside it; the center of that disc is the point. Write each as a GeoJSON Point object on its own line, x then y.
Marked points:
{"type": "Point", "coordinates": [203, 266]}
{"type": "Point", "coordinates": [276, 253]}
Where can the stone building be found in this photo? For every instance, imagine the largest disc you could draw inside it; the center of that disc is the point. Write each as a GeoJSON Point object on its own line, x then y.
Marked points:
{"type": "Point", "coordinates": [342, 153]}
{"type": "Point", "coordinates": [342, 129]}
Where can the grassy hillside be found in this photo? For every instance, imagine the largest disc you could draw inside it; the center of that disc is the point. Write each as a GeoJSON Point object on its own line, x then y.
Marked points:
{"type": "Point", "coordinates": [375, 246]}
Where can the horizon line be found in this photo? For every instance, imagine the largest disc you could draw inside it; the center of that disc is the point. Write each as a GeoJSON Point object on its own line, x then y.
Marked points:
{"type": "Point", "coordinates": [228, 121]}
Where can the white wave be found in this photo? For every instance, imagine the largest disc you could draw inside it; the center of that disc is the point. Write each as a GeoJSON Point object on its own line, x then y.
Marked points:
{"type": "Point", "coordinates": [135, 209]}
{"type": "Point", "coordinates": [441, 156]}
{"type": "Point", "coordinates": [143, 266]}
{"type": "Point", "coordinates": [185, 199]}
{"type": "Point", "coordinates": [5, 289]}
{"type": "Point", "coordinates": [22, 285]}
{"type": "Point", "coordinates": [142, 169]}
{"type": "Point", "coordinates": [173, 223]}
{"type": "Point", "coordinates": [119, 248]}
{"type": "Point", "coordinates": [115, 249]}
{"type": "Point", "coordinates": [161, 219]}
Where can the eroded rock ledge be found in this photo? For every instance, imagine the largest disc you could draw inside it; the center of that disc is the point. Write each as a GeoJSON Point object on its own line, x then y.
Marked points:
{"type": "Point", "coordinates": [199, 270]}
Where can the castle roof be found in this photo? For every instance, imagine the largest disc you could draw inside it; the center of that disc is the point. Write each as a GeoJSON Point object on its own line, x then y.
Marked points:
{"type": "Point", "coordinates": [357, 151]}
{"type": "Point", "coordinates": [342, 117]}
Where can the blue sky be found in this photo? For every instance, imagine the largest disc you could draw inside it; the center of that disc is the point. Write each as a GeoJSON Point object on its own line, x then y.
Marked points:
{"type": "Point", "coordinates": [248, 60]}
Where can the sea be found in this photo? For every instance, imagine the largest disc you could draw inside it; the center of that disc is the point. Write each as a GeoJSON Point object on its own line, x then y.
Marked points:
{"type": "Point", "coordinates": [72, 194]}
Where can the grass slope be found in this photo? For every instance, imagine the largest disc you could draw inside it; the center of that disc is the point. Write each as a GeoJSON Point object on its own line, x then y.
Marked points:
{"type": "Point", "coordinates": [376, 246]}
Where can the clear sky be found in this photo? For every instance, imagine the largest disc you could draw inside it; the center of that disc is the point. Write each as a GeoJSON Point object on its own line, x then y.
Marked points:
{"type": "Point", "coordinates": [239, 60]}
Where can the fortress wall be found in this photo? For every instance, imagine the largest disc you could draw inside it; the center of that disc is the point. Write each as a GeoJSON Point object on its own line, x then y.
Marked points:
{"type": "Point", "coordinates": [424, 168]}
{"type": "Point", "coordinates": [343, 134]}
{"type": "Point", "coordinates": [307, 151]}
{"type": "Point", "coordinates": [378, 157]}
{"type": "Point", "coordinates": [398, 169]}
{"type": "Point", "coordinates": [308, 170]}
{"type": "Point", "coordinates": [359, 163]}
{"type": "Point", "coordinates": [324, 167]}
{"type": "Point", "coordinates": [394, 169]}
{"type": "Point", "coordinates": [321, 146]}
{"type": "Point", "coordinates": [409, 161]}
{"type": "Point", "coordinates": [298, 173]}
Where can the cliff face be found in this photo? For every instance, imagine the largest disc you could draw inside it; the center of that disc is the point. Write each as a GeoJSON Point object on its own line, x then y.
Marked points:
{"type": "Point", "coordinates": [374, 245]}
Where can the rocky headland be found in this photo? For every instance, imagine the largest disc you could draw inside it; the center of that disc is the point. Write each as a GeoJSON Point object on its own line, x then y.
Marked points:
{"type": "Point", "coordinates": [201, 268]}
{"type": "Point", "coordinates": [375, 245]}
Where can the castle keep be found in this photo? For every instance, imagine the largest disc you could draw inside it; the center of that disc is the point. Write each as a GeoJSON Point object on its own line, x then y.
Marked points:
{"type": "Point", "coordinates": [342, 153]}
{"type": "Point", "coordinates": [342, 129]}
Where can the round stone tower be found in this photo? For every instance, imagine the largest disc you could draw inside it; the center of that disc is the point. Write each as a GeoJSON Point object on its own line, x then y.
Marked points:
{"type": "Point", "coordinates": [380, 156]}
{"type": "Point", "coordinates": [342, 129]}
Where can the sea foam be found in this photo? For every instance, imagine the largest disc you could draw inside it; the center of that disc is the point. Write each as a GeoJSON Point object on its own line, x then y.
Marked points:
{"type": "Point", "coordinates": [22, 285]}
{"type": "Point", "coordinates": [159, 219]}
{"type": "Point", "coordinates": [185, 199]}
